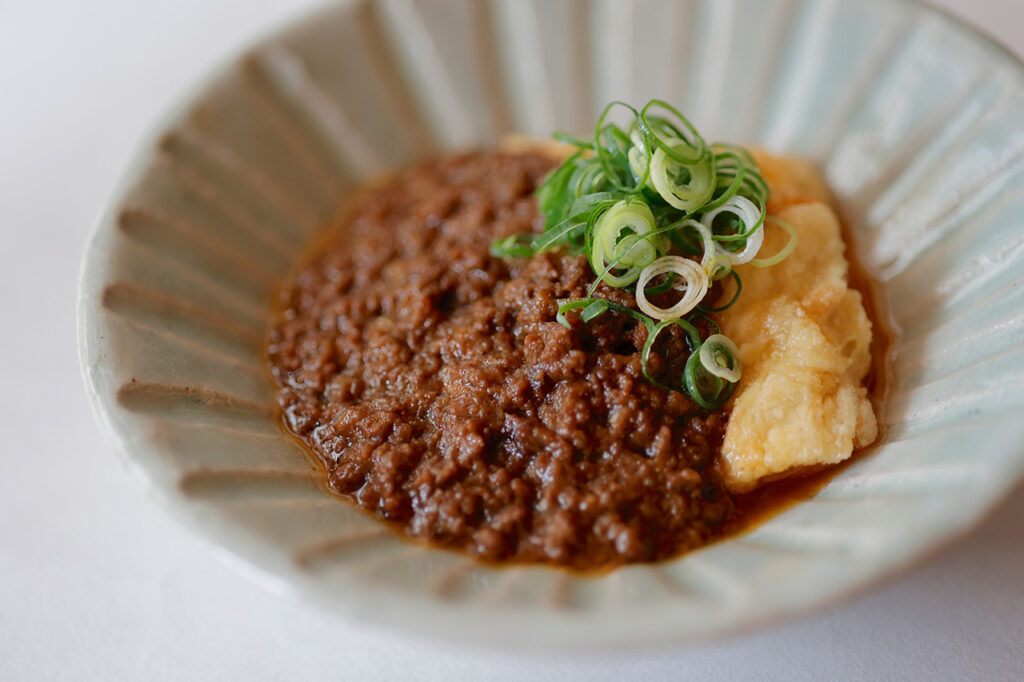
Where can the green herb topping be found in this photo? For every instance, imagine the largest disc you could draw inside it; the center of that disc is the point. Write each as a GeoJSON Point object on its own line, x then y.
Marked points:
{"type": "Point", "coordinates": [655, 208]}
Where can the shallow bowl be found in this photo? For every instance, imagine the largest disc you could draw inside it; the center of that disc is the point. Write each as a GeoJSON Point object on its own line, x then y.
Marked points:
{"type": "Point", "coordinates": [916, 122]}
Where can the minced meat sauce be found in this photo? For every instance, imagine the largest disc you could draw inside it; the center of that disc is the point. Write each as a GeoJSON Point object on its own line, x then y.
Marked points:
{"type": "Point", "coordinates": [434, 383]}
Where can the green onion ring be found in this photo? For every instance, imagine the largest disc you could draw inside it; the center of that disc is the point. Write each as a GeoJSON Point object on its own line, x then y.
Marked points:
{"type": "Point", "coordinates": [692, 340]}
{"type": "Point", "coordinates": [688, 195]}
{"type": "Point", "coordinates": [703, 387]}
{"type": "Point", "coordinates": [753, 223]}
{"type": "Point", "coordinates": [784, 252]}
{"type": "Point", "coordinates": [720, 357]}
{"type": "Point", "coordinates": [694, 285]}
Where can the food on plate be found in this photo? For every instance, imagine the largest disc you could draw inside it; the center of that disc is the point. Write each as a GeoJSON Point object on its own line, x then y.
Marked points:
{"type": "Point", "coordinates": [578, 354]}
{"type": "Point", "coordinates": [805, 344]}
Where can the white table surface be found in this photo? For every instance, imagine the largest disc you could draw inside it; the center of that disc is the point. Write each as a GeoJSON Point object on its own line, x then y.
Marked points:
{"type": "Point", "coordinates": [97, 582]}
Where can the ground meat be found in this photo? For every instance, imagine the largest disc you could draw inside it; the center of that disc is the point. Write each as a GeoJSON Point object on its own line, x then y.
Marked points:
{"type": "Point", "coordinates": [439, 391]}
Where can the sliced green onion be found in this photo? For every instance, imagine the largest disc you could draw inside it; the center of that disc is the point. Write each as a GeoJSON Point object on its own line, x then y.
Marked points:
{"type": "Point", "coordinates": [737, 173]}
{"type": "Point", "coordinates": [692, 340]}
{"type": "Point", "coordinates": [705, 388]}
{"type": "Point", "coordinates": [636, 218]}
{"type": "Point", "coordinates": [784, 252]}
{"type": "Point", "coordinates": [686, 187]}
{"type": "Point", "coordinates": [605, 274]}
{"type": "Point", "coordinates": [632, 199]}
{"type": "Point", "coordinates": [639, 157]}
{"type": "Point", "coordinates": [564, 306]}
{"type": "Point", "coordinates": [720, 357]}
{"type": "Point", "coordinates": [752, 219]}
{"type": "Point", "coordinates": [630, 254]}
{"type": "Point", "coordinates": [595, 309]}
{"type": "Point", "coordinates": [662, 130]}
{"type": "Point", "coordinates": [694, 284]}
{"type": "Point", "coordinates": [542, 242]}
{"type": "Point", "coordinates": [714, 263]}
{"type": "Point", "coordinates": [612, 146]}
{"type": "Point", "coordinates": [636, 249]}
{"type": "Point", "coordinates": [718, 266]}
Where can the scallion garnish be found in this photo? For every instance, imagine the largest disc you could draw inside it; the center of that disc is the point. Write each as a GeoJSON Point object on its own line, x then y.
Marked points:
{"type": "Point", "coordinates": [720, 357]}
{"type": "Point", "coordinates": [649, 202]}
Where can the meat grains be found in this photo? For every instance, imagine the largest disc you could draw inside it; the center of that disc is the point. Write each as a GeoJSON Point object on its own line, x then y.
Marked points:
{"type": "Point", "coordinates": [439, 391]}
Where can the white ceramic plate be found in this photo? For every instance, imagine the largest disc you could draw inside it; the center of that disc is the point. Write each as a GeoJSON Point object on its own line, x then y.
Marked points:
{"type": "Point", "coordinates": [917, 123]}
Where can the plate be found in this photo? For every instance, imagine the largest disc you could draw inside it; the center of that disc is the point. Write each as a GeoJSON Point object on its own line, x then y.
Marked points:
{"type": "Point", "coordinates": [916, 122]}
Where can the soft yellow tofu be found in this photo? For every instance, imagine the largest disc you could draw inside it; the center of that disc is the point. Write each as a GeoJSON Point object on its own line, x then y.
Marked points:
{"type": "Point", "coordinates": [804, 341]}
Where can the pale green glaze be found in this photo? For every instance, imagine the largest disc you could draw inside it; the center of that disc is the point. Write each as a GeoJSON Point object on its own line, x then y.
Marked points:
{"type": "Point", "coordinates": [917, 123]}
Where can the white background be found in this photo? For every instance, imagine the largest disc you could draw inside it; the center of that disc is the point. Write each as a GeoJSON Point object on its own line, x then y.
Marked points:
{"type": "Point", "coordinates": [98, 583]}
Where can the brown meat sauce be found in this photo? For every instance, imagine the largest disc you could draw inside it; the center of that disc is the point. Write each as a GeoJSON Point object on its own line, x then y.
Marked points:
{"type": "Point", "coordinates": [435, 385]}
